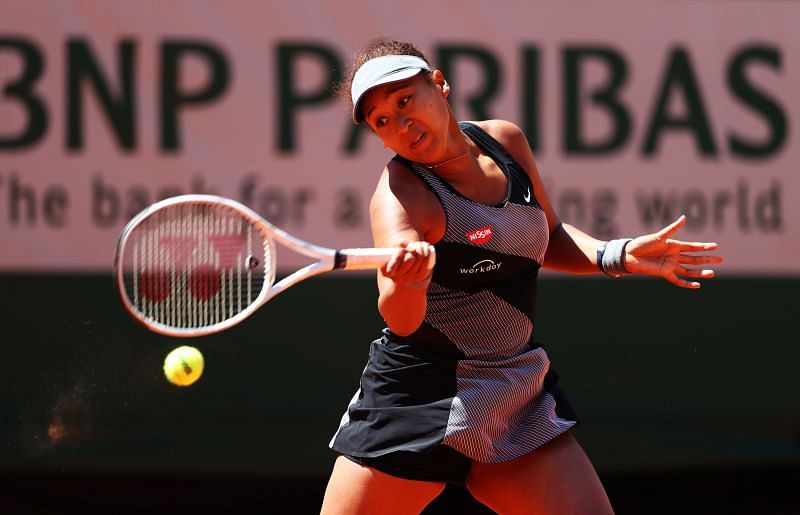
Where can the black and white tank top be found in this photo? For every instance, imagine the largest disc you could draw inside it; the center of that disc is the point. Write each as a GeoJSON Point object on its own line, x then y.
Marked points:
{"type": "Point", "coordinates": [482, 297]}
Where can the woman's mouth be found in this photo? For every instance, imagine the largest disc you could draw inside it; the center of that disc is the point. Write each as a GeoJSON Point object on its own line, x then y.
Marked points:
{"type": "Point", "coordinates": [416, 141]}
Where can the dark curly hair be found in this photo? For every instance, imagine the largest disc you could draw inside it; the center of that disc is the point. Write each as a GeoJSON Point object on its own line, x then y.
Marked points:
{"type": "Point", "coordinates": [376, 48]}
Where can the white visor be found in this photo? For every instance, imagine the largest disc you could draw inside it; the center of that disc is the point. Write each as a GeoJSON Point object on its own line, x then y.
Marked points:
{"type": "Point", "coordinates": [383, 70]}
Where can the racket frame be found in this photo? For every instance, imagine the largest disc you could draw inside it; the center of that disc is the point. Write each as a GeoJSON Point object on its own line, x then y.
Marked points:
{"type": "Point", "coordinates": [326, 259]}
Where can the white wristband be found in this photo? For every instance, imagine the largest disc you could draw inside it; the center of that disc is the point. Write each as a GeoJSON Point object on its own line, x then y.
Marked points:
{"type": "Point", "coordinates": [611, 257]}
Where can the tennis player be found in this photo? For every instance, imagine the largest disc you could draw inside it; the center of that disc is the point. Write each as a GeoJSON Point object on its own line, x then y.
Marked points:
{"type": "Point", "coordinates": [455, 390]}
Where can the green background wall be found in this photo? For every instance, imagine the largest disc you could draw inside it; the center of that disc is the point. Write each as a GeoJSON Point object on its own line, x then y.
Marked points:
{"type": "Point", "coordinates": [664, 379]}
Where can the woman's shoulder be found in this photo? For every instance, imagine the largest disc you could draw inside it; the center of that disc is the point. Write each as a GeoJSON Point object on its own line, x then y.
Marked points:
{"type": "Point", "coordinates": [399, 180]}
{"type": "Point", "coordinates": [402, 197]}
{"type": "Point", "coordinates": [400, 175]}
{"type": "Point", "coordinates": [499, 129]}
{"type": "Point", "coordinates": [508, 134]}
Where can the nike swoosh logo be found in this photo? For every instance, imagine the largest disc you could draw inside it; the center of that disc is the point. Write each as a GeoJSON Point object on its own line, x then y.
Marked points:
{"type": "Point", "coordinates": [528, 196]}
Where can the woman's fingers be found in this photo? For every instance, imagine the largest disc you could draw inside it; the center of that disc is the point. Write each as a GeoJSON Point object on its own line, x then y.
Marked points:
{"type": "Point", "coordinates": [693, 246]}
{"type": "Point", "coordinates": [424, 250]}
{"type": "Point", "coordinates": [394, 262]}
{"type": "Point", "coordinates": [415, 263]}
{"type": "Point", "coordinates": [658, 254]}
{"type": "Point", "coordinates": [412, 262]}
{"type": "Point", "coordinates": [431, 262]}
{"type": "Point", "coordinates": [672, 228]}
{"type": "Point", "coordinates": [694, 273]}
{"type": "Point", "coordinates": [677, 281]}
{"type": "Point", "coordinates": [699, 260]}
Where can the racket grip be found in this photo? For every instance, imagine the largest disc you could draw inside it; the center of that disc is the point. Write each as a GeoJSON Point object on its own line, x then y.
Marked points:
{"type": "Point", "coordinates": [370, 259]}
{"type": "Point", "coordinates": [362, 259]}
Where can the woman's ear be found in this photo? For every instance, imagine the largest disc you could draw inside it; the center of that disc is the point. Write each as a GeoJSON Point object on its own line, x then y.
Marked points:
{"type": "Point", "coordinates": [438, 79]}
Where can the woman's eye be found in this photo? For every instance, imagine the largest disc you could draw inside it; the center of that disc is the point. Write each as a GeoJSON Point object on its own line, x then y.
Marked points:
{"type": "Point", "coordinates": [380, 122]}
{"type": "Point", "coordinates": [403, 101]}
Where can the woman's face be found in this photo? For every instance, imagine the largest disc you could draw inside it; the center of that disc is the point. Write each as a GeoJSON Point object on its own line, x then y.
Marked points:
{"type": "Point", "coordinates": [411, 116]}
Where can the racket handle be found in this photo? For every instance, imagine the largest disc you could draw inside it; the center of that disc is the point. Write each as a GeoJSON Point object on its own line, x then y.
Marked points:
{"type": "Point", "coordinates": [362, 259]}
{"type": "Point", "coordinates": [370, 259]}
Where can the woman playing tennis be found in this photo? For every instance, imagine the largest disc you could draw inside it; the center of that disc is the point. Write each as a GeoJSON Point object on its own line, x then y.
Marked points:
{"type": "Point", "coordinates": [455, 390]}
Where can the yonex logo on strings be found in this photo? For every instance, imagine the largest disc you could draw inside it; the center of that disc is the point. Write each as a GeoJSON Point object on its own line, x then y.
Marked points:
{"type": "Point", "coordinates": [485, 265]}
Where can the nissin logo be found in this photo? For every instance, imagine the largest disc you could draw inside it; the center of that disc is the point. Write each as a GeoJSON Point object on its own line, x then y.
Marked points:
{"type": "Point", "coordinates": [486, 265]}
{"type": "Point", "coordinates": [480, 236]}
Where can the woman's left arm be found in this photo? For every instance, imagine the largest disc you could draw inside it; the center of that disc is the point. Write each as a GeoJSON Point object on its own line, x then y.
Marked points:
{"type": "Point", "coordinates": [572, 250]}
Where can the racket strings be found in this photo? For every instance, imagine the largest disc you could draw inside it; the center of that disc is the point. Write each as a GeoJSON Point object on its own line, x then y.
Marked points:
{"type": "Point", "coordinates": [195, 265]}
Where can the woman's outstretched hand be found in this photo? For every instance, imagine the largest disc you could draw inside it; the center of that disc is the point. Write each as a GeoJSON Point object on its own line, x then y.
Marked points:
{"type": "Point", "coordinates": [659, 254]}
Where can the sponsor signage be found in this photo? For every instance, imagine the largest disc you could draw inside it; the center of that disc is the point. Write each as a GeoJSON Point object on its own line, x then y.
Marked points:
{"type": "Point", "coordinates": [480, 236]}
{"type": "Point", "coordinates": [636, 111]}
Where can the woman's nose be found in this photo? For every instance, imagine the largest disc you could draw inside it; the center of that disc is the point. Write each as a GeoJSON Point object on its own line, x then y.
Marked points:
{"type": "Point", "coordinates": [403, 123]}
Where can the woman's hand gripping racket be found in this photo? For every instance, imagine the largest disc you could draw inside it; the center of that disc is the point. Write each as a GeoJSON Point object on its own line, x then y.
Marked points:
{"type": "Point", "coordinates": [194, 265]}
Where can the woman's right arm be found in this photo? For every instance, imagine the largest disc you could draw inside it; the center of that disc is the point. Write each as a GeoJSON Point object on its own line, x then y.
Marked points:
{"type": "Point", "coordinates": [404, 214]}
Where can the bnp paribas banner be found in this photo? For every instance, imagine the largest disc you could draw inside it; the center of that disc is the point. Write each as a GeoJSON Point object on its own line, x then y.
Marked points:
{"type": "Point", "coordinates": [637, 111]}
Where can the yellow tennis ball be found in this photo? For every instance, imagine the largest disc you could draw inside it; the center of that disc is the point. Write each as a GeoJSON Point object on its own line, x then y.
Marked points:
{"type": "Point", "coordinates": [184, 365]}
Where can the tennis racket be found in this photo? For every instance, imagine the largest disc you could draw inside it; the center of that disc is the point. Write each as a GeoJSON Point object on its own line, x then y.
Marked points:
{"type": "Point", "coordinates": [194, 265]}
